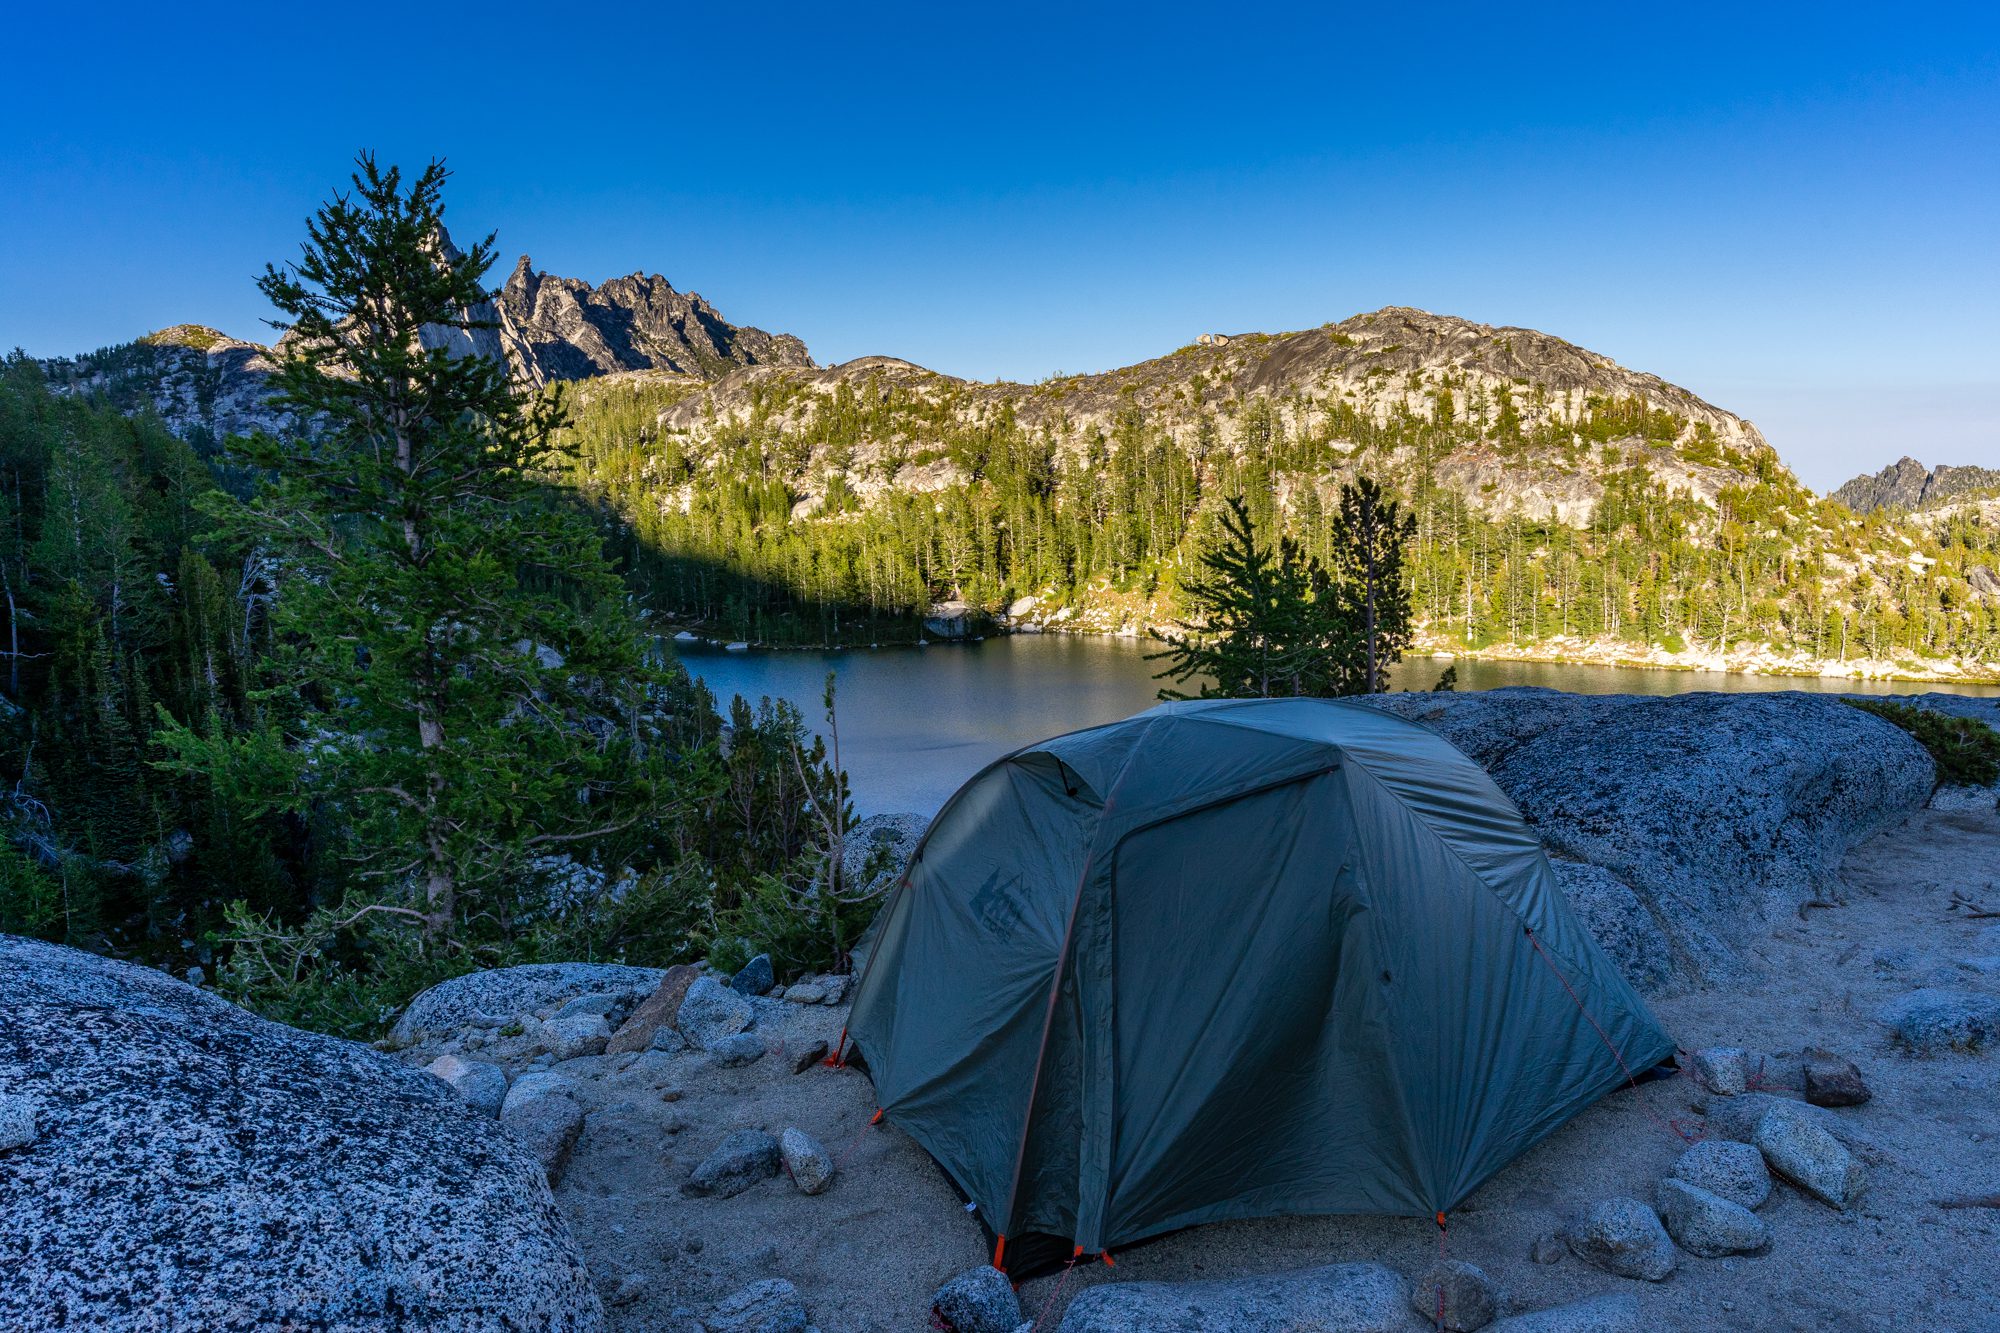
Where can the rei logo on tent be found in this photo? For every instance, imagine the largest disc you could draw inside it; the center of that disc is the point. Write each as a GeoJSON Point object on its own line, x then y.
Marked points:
{"type": "Point", "coordinates": [997, 903]}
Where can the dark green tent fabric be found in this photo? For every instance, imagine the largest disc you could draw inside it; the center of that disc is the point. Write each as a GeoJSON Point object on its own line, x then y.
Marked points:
{"type": "Point", "coordinates": [1235, 958]}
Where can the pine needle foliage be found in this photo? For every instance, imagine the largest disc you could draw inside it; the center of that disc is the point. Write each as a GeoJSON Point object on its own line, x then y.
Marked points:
{"type": "Point", "coordinates": [455, 670]}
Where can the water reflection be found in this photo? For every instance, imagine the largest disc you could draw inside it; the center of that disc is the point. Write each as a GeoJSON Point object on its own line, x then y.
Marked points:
{"type": "Point", "coordinates": [917, 722]}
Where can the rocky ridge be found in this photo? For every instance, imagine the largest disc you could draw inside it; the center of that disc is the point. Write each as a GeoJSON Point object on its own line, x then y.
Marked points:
{"type": "Point", "coordinates": [1908, 484]}
{"type": "Point", "coordinates": [206, 385]}
{"type": "Point", "coordinates": [566, 329]}
{"type": "Point", "coordinates": [1389, 361]}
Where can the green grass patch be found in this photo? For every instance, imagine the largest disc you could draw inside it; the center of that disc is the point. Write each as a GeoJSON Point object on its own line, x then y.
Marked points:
{"type": "Point", "coordinates": [1967, 752]}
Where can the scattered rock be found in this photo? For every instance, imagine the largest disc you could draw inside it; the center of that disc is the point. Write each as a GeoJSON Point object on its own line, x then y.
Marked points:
{"type": "Point", "coordinates": [1724, 1070]}
{"type": "Point", "coordinates": [1599, 1314]}
{"type": "Point", "coordinates": [483, 1085]}
{"type": "Point", "coordinates": [1737, 1118]}
{"type": "Point", "coordinates": [809, 1056]}
{"type": "Point", "coordinates": [806, 1162]}
{"type": "Point", "coordinates": [1832, 1081]}
{"type": "Point", "coordinates": [1805, 1152]}
{"type": "Point", "coordinates": [541, 1110]}
{"type": "Point", "coordinates": [200, 1168]}
{"type": "Point", "coordinates": [741, 1049]}
{"type": "Point", "coordinates": [17, 1123]}
{"type": "Point", "coordinates": [768, 1013]}
{"type": "Point", "coordinates": [1939, 1019]}
{"type": "Point", "coordinates": [770, 1306]}
{"type": "Point", "coordinates": [570, 1036]}
{"type": "Point", "coordinates": [712, 1011]}
{"type": "Point", "coordinates": [1470, 1298]}
{"type": "Point", "coordinates": [756, 978]}
{"type": "Point", "coordinates": [451, 1006]}
{"type": "Point", "coordinates": [656, 1010]}
{"type": "Point", "coordinates": [1707, 1225]}
{"type": "Point", "coordinates": [809, 991]}
{"type": "Point", "coordinates": [979, 1300]}
{"type": "Point", "coordinates": [666, 1037]}
{"type": "Point", "coordinates": [1726, 1169]}
{"type": "Point", "coordinates": [1622, 1236]}
{"type": "Point", "coordinates": [740, 1161]}
{"type": "Point", "coordinates": [1548, 1248]}
{"type": "Point", "coordinates": [1339, 1298]}
{"type": "Point", "coordinates": [599, 1004]}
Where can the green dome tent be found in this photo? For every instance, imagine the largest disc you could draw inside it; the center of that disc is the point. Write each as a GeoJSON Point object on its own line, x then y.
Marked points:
{"type": "Point", "coordinates": [1234, 958]}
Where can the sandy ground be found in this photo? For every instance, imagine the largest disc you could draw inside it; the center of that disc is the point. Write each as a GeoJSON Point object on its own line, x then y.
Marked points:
{"type": "Point", "coordinates": [868, 1253]}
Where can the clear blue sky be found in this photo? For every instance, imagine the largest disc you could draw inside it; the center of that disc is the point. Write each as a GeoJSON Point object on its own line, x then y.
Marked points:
{"type": "Point", "coordinates": [1795, 213]}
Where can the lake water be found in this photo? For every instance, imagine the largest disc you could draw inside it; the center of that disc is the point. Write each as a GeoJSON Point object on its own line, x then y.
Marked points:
{"type": "Point", "coordinates": [915, 723]}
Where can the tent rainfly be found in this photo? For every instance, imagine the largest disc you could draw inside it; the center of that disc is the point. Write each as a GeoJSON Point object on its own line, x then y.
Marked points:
{"type": "Point", "coordinates": [1234, 958]}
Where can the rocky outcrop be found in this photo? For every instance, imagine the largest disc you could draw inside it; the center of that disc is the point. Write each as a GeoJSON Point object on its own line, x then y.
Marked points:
{"type": "Point", "coordinates": [566, 329]}
{"type": "Point", "coordinates": [503, 994]}
{"type": "Point", "coordinates": [1686, 825]}
{"type": "Point", "coordinates": [207, 386]}
{"type": "Point", "coordinates": [1908, 484]}
{"type": "Point", "coordinates": [197, 1167]}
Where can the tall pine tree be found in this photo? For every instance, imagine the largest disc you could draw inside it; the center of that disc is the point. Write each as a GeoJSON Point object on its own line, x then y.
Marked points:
{"type": "Point", "coordinates": [457, 677]}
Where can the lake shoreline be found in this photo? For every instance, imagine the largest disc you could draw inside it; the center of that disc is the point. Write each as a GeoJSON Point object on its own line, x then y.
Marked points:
{"type": "Point", "coordinates": [1575, 653]}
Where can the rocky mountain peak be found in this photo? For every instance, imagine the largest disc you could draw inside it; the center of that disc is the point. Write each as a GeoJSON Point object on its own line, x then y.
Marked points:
{"type": "Point", "coordinates": [566, 329]}
{"type": "Point", "coordinates": [1908, 484]}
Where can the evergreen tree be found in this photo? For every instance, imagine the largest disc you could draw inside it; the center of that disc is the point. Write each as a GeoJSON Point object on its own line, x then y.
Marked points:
{"type": "Point", "coordinates": [1266, 621]}
{"type": "Point", "coordinates": [457, 677]}
{"type": "Point", "coordinates": [1369, 535]}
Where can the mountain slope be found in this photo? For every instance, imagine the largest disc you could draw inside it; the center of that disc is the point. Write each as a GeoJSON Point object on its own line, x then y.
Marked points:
{"type": "Point", "coordinates": [1534, 411]}
{"type": "Point", "coordinates": [1567, 506]}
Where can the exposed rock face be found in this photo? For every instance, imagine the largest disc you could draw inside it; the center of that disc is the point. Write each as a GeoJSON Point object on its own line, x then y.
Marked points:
{"type": "Point", "coordinates": [199, 1167]}
{"type": "Point", "coordinates": [876, 850]}
{"type": "Point", "coordinates": [541, 1111]}
{"type": "Point", "coordinates": [566, 329]}
{"type": "Point", "coordinates": [503, 993]}
{"type": "Point", "coordinates": [1721, 813]}
{"type": "Point", "coordinates": [738, 1162]}
{"type": "Point", "coordinates": [1938, 1019]}
{"type": "Point", "coordinates": [205, 384]}
{"type": "Point", "coordinates": [1385, 362]}
{"type": "Point", "coordinates": [654, 1011]}
{"type": "Point", "coordinates": [1908, 484]}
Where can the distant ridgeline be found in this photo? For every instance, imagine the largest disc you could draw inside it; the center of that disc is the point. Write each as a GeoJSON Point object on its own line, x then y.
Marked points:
{"type": "Point", "coordinates": [1567, 507]}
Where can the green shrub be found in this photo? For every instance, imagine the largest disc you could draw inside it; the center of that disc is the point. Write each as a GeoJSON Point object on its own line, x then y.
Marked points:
{"type": "Point", "coordinates": [1966, 752]}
